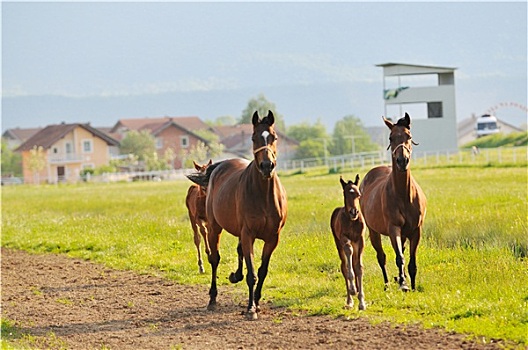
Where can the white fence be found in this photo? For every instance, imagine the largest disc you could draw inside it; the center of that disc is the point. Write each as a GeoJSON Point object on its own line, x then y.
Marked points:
{"type": "Point", "coordinates": [502, 155]}
{"type": "Point", "coordinates": [492, 156]}
{"type": "Point", "coordinates": [156, 175]}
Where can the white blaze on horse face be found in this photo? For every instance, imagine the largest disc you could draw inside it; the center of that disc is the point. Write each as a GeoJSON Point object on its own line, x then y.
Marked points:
{"type": "Point", "coordinates": [265, 135]}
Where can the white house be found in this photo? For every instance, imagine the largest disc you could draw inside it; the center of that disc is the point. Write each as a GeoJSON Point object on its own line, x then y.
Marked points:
{"type": "Point", "coordinates": [427, 93]}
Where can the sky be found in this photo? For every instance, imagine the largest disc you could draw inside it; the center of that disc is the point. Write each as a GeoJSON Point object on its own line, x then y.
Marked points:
{"type": "Point", "coordinates": [316, 61]}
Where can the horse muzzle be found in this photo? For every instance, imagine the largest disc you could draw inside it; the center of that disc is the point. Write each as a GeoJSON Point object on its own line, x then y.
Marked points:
{"type": "Point", "coordinates": [267, 168]}
{"type": "Point", "coordinates": [402, 163]}
{"type": "Point", "coordinates": [354, 214]}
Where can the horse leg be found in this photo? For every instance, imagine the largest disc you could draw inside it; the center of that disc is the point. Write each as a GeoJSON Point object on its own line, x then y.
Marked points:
{"type": "Point", "coordinates": [357, 260]}
{"type": "Point", "coordinates": [203, 231]}
{"type": "Point", "coordinates": [214, 259]}
{"type": "Point", "coordinates": [238, 276]}
{"type": "Point", "coordinates": [247, 249]}
{"type": "Point", "coordinates": [344, 272]}
{"type": "Point", "coordinates": [413, 245]}
{"type": "Point", "coordinates": [396, 241]}
{"type": "Point", "coordinates": [197, 241]}
{"type": "Point", "coordinates": [267, 250]}
{"type": "Point", "coordinates": [350, 277]}
{"type": "Point", "coordinates": [375, 239]}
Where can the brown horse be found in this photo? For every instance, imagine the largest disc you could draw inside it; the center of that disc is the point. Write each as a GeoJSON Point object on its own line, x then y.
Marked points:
{"type": "Point", "coordinates": [348, 228]}
{"type": "Point", "coordinates": [195, 202]}
{"type": "Point", "coordinates": [248, 201]}
{"type": "Point", "coordinates": [393, 203]}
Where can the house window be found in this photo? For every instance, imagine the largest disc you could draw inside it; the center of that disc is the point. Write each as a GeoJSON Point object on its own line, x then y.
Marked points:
{"type": "Point", "coordinates": [68, 147]}
{"type": "Point", "coordinates": [55, 150]}
{"type": "Point", "coordinates": [434, 110]}
{"type": "Point", "coordinates": [184, 142]}
{"type": "Point", "coordinates": [159, 143]}
{"type": "Point", "coordinates": [87, 146]}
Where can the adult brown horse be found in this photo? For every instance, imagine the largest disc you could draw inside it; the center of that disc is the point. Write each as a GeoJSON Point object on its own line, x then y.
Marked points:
{"type": "Point", "coordinates": [348, 228]}
{"type": "Point", "coordinates": [248, 201]}
{"type": "Point", "coordinates": [393, 203]}
{"type": "Point", "coordinates": [195, 202]}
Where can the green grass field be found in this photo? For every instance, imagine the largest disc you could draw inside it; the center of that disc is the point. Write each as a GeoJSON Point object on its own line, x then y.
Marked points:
{"type": "Point", "coordinates": [472, 261]}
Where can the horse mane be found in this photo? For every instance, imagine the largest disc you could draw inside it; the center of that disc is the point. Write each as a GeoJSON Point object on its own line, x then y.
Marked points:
{"type": "Point", "coordinates": [202, 179]}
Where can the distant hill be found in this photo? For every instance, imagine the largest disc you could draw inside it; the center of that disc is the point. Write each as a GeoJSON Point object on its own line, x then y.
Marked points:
{"type": "Point", "coordinates": [329, 102]}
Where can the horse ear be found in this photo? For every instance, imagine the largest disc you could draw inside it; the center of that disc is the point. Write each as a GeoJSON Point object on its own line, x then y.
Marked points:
{"type": "Point", "coordinates": [196, 166]}
{"type": "Point", "coordinates": [343, 183]}
{"type": "Point", "coordinates": [271, 118]}
{"type": "Point", "coordinates": [357, 180]}
{"type": "Point", "coordinates": [407, 121]}
{"type": "Point", "coordinates": [210, 162]}
{"type": "Point", "coordinates": [255, 119]}
{"type": "Point", "coordinates": [387, 122]}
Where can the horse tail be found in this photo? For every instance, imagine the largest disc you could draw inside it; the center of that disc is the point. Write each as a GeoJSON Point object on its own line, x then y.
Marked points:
{"type": "Point", "coordinates": [202, 179]}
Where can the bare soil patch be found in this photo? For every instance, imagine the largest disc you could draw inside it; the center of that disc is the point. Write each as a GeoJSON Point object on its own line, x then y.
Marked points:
{"type": "Point", "coordinates": [75, 304]}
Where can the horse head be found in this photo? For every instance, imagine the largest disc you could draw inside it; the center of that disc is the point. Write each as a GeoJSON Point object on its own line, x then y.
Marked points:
{"type": "Point", "coordinates": [202, 169]}
{"type": "Point", "coordinates": [201, 177]}
{"type": "Point", "coordinates": [352, 194]}
{"type": "Point", "coordinates": [264, 144]}
{"type": "Point", "coordinates": [401, 141]}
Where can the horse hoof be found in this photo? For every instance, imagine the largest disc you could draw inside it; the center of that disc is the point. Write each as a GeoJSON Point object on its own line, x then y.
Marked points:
{"type": "Point", "coordinates": [234, 279]}
{"type": "Point", "coordinates": [202, 270]}
{"type": "Point", "coordinates": [251, 316]}
{"type": "Point", "coordinates": [404, 288]}
{"type": "Point", "coordinates": [362, 306]}
{"type": "Point", "coordinates": [211, 307]}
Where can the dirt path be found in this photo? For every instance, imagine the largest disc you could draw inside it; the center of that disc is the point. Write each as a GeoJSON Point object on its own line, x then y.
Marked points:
{"type": "Point", "coordinates": [75, 304]}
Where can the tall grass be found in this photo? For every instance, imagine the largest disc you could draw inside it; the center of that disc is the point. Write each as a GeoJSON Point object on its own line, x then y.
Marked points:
{"type": "Point", "coordinates": [472, 265]}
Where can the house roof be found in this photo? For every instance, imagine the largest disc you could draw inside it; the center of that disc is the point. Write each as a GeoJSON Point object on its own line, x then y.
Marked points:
{"type": "Point", "coordinates": [240, 135]}
{"type": "Point", "coordinates": [394, 69]}
{"type": "Point", "coordinates": [157, 125]}
{"type": "Point", "coordinates": [52, 133]}
{"type": "Point", "coordinates": [188, 123]}
{"type": "Point", "coordinates": [20, 134]}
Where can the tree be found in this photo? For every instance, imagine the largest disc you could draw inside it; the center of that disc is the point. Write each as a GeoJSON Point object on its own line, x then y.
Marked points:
{"type": "Point", "coordinates": [310, 149]}
{"type": "Point", "coordinates": [312, 139]}
{"type": "Point", "coordinates": [306, 131]}
{"type": "Point", "coordinates": [141, 144]}
{"type": "Point", "coordinates": [197, 153]}
{"type": "Point", "coordinates": [214, 146]}
{"type": "Point", "coordinates": [11, 161]}
{"type": "Point", "coordinates": [350, 137]}
{"type": "Point", "coordinates": [37, 161]}
{"type": "Point", "coordinates": [262, 105]}
{"type": "Point", "coordinates": [223, 120]}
